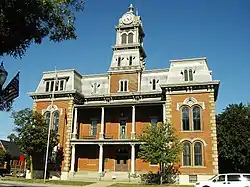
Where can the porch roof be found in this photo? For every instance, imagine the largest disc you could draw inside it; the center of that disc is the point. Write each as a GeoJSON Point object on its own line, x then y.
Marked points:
{"type": "Point", "coordinates": [104, 141]}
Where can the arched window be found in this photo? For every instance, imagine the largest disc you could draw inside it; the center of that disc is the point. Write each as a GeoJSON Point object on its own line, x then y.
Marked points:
{"type": "Point", "coordinates": [186, 154]}
{"type": "Point", "coordinates": [190, 75]}
{"type": "Point", "coordinates": [196, 118]}
{"type": "Point", "coordinates": [185, 119]}
{"type": "Point", "coordinates": [153, 84]}
{"type": "Point", "coordinates": [47, 117]}
{"type": "Point", "coordinates": [130, 60]}
{"type": "Point", "coordinates": [119, 61]}
{"type": "Point", "coordinates": [198, 154]}
{"type": "Point", "coordinates": [130, 38]}
{"type": "Point", "coordinates": [185, 75]}
{"type": "Point", "coordinates": [56, 121]}
{"type": "Point", "coordinates": [124, 38]}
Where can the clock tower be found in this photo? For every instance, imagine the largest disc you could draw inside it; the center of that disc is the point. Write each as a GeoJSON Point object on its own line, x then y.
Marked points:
{"type": "Point", "coordinates": [128, 52]}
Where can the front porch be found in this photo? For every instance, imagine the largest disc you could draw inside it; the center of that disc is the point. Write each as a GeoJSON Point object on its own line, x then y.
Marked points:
{"type": "Point", "coordinates": [105, 156]}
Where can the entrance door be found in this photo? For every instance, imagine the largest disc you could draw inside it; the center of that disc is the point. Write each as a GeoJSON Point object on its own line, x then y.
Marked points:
{"type": "Point", "coordinates": [121, 161]}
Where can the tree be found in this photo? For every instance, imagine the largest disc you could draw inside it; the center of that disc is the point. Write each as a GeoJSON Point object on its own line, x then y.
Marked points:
{"type": "Point", "coordinates": [3, 157]}
{"type": "Point", "coordinates": [233, 133]}
{"type": "Point", "coordinates": [23, 22]}
{"type": "Point", "coordinates": [12, 137]}
{"type": "Point", "coordinates": [160, 145]}
{"type": "Point", "coordinates": [32, 132]}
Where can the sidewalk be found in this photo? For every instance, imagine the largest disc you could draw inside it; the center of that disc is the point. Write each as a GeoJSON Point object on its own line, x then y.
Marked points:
{"type": "Point", "coordinates": [17, 183]}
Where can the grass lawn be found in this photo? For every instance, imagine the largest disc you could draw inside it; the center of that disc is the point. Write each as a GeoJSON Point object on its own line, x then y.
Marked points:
{"type": "Point", "coordinates": [72, 183]}
{"type": "Point", "coordinates": [144, 185]}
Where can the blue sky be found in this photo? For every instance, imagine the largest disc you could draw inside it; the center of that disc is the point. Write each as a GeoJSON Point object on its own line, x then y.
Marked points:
{"type": "Point", "coordinates": [218, 30]}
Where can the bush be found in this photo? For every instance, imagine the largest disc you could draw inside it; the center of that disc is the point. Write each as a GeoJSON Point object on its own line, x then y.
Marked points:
{"type": "Point", "coordinates": [169, 176]}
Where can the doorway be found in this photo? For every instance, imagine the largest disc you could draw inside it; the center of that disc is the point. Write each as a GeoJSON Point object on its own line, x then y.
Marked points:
{"type": "Point", "coordinates": [121, 161]}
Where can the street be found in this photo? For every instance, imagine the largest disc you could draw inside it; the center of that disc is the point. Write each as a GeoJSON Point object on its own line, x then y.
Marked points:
{"type": "Point", "coordinates": [13, 184]}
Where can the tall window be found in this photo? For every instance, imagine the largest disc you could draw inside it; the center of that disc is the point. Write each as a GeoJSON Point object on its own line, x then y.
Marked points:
{"type": "Point", "coordinates": [153, 84]}
{"type": "Point", "coordinates": [119, 61]}
{"type": "Point", "coordinates": [196, 118]}
{"type": "Point", "coordinates": [124, 38]}
{"type": "Point", "coordinates": [185, 75]}
{"type": "Point", "coordinates": [186, 154]}
{"type": "Point", "coordinates": [130, 60]}
{"type": "Point", "coordinates": [198, 154]}
{"type": "Point", "coordinates": [47, 86]}
{"type": "Point", "coordinates": [56, 121]}
{"type": "Point", "coordinates": [123, 87]}
{"type": "Point", "coordinates": [51, 86]}
{"type": "Point", "coordinates": [130, 38]}
{"type": "Point", "coordinates": [185, 119]}
{"type": "Point", "coordinates": [123, 129]}
{"type": "Point", "coordinates": [190, 75]}
{"type": "Point", "coordinates": [47, 117]}
{"type": "Point", "coordinates": [61, 84]}
{"type": "Point", "coordinates": [93, 128]}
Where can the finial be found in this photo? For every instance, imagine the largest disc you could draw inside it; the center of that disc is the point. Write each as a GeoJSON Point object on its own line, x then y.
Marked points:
{"type": "Point", "coordinates": [137, 12]}
{"type": "Point", "coordinates": [131, 8]}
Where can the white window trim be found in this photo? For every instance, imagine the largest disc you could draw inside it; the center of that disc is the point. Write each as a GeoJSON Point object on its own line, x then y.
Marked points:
{"type": "Point", "coordinates": [121, 82]}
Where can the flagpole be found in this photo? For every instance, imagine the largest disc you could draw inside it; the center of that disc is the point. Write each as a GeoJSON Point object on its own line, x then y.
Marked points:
{"type": "Point", "coordinates": [50, 124]}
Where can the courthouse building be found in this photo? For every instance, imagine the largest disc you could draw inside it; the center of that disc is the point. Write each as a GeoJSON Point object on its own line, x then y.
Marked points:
{"type": "Point", "coordinates": [100, 116]}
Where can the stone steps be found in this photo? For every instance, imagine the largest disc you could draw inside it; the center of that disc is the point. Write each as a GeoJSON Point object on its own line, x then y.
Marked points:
{"type": "Point", "coordinates": [108, 176]}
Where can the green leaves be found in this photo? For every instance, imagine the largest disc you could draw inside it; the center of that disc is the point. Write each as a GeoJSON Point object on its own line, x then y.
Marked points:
{"type": "Point", "coordinates": [23, 22]}
{"type": "Point", "coordinates": [233, 132]}
{"type": "Point", "coordinates": [161, 145]}
{"type": "Point", "coordinates": [32, 132]}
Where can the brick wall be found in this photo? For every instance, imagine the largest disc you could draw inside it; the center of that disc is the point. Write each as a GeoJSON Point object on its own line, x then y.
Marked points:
{"type": "Point", "coordinates": [132, 81]}
{"type": "Point", "coordinates": [205, 134]}
{"type": "Point", "coordinates": [63, 107]}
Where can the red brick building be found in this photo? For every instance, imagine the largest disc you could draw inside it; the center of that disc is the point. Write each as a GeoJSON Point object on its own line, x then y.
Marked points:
{"type": "Point", "coordinates": [99, 116]}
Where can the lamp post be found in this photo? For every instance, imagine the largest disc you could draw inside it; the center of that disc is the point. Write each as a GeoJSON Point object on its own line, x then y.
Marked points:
{"type": "Point", "coordinates": [10, 92]}
{"type": "Point", "coordinates": [3, 76]}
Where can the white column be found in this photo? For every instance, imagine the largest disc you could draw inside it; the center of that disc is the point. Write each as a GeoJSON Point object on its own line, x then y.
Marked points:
{"type": "Point", "coordinates": [100, 158]}
{"type": "Point", "coordinates": [132, 158]}
{"type": "Point", "coordinates": [73, 154]}
{"type": "Point", "coordinates": [164, 113]}
{"type": "Point", "coordinates": [133, 123]}
{"type": "Point", "coordinates": [102, 125]}
{"type": "Point", "coordinates": [75, 125]}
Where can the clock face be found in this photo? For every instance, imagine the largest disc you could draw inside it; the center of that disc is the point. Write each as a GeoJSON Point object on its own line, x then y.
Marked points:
{"type": "Point", "coordinates": [127, 18]}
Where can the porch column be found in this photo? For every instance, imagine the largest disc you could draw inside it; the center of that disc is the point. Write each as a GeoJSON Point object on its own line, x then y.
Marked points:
{"type": "Point", "coordinates": [102, 125]}
{"type": "Point", "coordinates": [164, 120]}
{"type": "Point", "coordinates": [100, 158]}
{"type": "Point", "coordinates": [75, 125]}
{"type": "Point", "coordinates": [132, 158]}
{"type": "Point", "coordinates": [73, 155]}
{"type": "Point", "coordinates": [133, 123]}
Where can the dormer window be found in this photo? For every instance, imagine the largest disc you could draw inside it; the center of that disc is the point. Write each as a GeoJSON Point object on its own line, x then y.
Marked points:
{"type": "Point", "coordinates": [47, 86]}
{"type": "Point", "coordinates": [52, 85]}
{"type": "Point", "coordinates": [130, 60]}
{"type": "Point", "coordinates": [119, 61]}
{"type": "Point", "coordinates": [124, 38]}
{"type": "Point", "coordinates": [130, 38]}
{"type": "Point", "coordinates": [61, 85]}
{"type": "Point", "coordinates": [153, 82]}
{"type": "Point", "coordinates": [123, 85]}
{"type": "Point", "coordinates": [188, 75]}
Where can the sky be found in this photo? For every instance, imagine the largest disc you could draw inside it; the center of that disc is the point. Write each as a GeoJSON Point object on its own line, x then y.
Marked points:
{"type": "Point", "coordinates": [217, 30]}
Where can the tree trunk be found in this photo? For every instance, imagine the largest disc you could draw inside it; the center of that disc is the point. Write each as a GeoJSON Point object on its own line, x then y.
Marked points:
{"type": "Point", "coordinates": [161, 173]}
{"type": "Point", "coordinates": [31, 167]}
